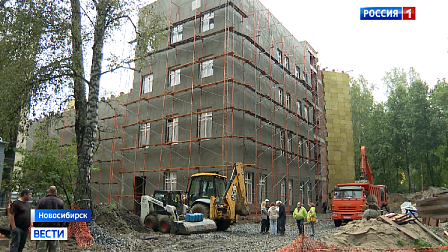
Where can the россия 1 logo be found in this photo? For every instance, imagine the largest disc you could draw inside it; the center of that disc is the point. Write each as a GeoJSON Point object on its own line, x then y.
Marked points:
{"type": "Point", "coordinates": [387, 13]}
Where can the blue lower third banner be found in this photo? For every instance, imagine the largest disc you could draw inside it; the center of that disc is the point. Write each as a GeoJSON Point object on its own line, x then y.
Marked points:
{"type": "Point", "coordinates": [60, 215]}
{"type": "Point", "coordinates": [49, 233]}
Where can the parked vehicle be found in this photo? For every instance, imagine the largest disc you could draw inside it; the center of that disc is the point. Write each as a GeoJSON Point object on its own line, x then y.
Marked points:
{"type": "Point", "coordinates": [349, 200]}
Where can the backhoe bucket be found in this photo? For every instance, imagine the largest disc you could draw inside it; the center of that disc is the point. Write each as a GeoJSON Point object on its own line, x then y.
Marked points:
{"type": "Point", "coordinates": [185, 227]}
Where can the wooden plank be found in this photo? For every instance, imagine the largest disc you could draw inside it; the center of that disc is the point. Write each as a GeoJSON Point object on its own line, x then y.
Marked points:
{"type": "Point", "coordinates": [430, 232]}
{"type": "Point", "coordinates": [402, 229]}
{"type": "Point", "coordinates": [446, 233]}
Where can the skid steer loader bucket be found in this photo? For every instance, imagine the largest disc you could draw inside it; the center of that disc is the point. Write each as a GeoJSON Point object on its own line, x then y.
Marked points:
{"type": "Point", "coordinates": [185, 227]}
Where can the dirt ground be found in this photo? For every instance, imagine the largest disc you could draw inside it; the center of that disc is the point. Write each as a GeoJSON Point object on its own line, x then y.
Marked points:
{"type": "Point", "coordinates": [119, 230]}
{"type": "Point", "coordinates": [396, 199]}
{"type": "Point", "coordinates": [377, 234]}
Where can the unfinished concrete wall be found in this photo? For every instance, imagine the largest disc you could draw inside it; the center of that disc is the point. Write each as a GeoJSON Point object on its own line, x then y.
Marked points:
{"type": "Point", "coordinates": [341, 163]}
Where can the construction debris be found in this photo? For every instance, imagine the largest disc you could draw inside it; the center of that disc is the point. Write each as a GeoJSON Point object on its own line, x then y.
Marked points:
{"type": "Point", "coordinates": [382, 234]}
{"type": "Point", "coordinates": [401, 228]}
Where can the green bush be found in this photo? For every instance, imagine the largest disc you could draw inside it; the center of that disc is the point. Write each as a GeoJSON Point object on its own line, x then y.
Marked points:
{"type": "Point", "coordinates": [399, 240]}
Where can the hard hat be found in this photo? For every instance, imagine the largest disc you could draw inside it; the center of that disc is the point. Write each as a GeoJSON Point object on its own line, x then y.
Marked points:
{"type": "Point", "coordinates": [266, 200]}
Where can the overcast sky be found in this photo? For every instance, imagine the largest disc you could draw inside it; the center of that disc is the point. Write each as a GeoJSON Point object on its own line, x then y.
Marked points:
{"type": "Point", "coordinates": [366, 47]}
{"type": "Point", "coordinates": [346, 43]}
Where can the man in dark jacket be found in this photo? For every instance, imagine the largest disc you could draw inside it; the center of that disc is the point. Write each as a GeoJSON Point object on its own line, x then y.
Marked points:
{"type": "Point", "coordinates": [281, 217]}
{"type": "Point", "coordinates": [51, 201]}
{"type": "Point", "coordinates": [20, 220]}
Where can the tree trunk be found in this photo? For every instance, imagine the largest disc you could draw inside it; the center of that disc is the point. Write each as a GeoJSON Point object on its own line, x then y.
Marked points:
{"type": "Point", "coordinates": [79, 90]}
{"type": "Point", "coordinates": [91, 119]}
{"type": "Point", "coordinates": [407, 163]}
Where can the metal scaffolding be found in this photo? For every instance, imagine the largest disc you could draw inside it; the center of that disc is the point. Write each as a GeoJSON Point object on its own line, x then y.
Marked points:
{"type": "Point", "coordinates": [267, 112]}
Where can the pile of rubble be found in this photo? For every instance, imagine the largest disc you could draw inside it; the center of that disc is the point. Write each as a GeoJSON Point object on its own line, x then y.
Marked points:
{"type": "Point", "coordinates": [395, 231]}
{"type": "Point", "coordinates": [396, 199]}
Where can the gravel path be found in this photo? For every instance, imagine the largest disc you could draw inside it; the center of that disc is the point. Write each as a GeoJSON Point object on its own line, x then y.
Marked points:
{"type": "Point", "coordinates": [241, 237]}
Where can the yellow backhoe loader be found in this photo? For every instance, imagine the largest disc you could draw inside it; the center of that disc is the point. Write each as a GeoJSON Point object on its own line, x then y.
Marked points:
{"type": "Point", "coordinates": [209, 194]}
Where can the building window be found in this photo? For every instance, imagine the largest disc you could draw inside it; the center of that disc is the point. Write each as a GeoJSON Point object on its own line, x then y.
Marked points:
{"type": "Point", "coordinates": [248, 180]}
{"type": "Point", "coordinates": [280, 95]}
{"type": "Point", "coordinates": [263, 188]}
{"type": "Point", "coordinates": [279, 56]}
{"type": "Point", "coordinates": [282, 142]}
{"type": "Point", "coordinates": [147, 83]}
{"type": "Point", "coordinates": [288, 101]}
{"type": "Point", "coordinates": [297, 73]}
{"type": "Point", "coordinates": [303, 147]}
{"type": "Point", "coordinates": [290, 192]}
{"type": "Point", "coordinates": [170, 180]}
{"type": "Point", "coordinates": [174, 77]}
{"type": "Point", "coordinates": [283, 190]}
{"type": "Point", "coordinates": [172, 129]}
{"type": "Point", "coordinates": [207, 68]}
{"type": "Point", "coordinates": [145, 129]}
{"type": "Point", "coordinates": [290, 144]}
{"type": "Point", "coordinates": [205, 125]}
{"type": "Point", "coordinates": [195, 4]}
{"type": "Point", "coordinates": [208, 21]}
{"type": "Point", "coordinates": [305, 109]}
{"type": "Point", "coordinates": [286, 62]}
{"type": "Point", "coordinates": [313, 114]}
{"type": "Point", "coordinates": [302, 192]}
{"type": "Point", "coordinates": [310, 191]}
{"type": "Point", "coordinates": [299, 108]}
{"type": "Point", "coordinates": [176, 33]}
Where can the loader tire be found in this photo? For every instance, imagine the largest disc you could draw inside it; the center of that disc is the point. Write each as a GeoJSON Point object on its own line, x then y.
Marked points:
{"type": "Point", "coordinates": [165, 225]}
{"type": "Point", "coordinates": [201, 208]}
{"type": "Point", "coordinates": [222, 225]}
{"type": "Point", "coordinates": [337, 223]}
{"type": "Point", "coordinates": [152, 222]}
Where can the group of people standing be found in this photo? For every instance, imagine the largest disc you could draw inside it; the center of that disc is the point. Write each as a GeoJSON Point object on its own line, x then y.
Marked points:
{"type": "Point", "coordinates": [20, 220]}
{"type": "Point", "coordinates": [273, 217]}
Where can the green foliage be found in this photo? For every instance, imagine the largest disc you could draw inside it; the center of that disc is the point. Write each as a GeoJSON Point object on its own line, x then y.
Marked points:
{"type": "Point", "coordinates": [406, 137]}
{"type": "Point", "coordinates": [105, 207]}
{"type": "Point", "coordinates": [420, 243]}
{"type": "Point", "coordinates": [45, 165]}
{"type": "Point", "coordinates": [399, 240]}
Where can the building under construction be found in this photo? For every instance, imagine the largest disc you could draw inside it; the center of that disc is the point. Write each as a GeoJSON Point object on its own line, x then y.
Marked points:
{"type": "Point", "coordinates": [230, 84]}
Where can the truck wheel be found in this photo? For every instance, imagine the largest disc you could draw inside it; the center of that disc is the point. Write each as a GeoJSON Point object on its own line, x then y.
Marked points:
{"type": "Point", "coordinates": [152, 222]}
{"type": "Point", "coordinates": [201, 208]}
{"type": "Point", "coordinates": [337, 223]}
{"type": "Point", "coordinates": [165, 225]}
{"type": "Point", "coordinates": [222, 225]}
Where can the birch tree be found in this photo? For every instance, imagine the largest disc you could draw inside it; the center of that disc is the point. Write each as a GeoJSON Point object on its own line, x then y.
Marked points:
{"type": "Point", "coordinates": [70, 31]}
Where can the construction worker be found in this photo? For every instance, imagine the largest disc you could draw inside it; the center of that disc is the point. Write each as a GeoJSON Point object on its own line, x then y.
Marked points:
{"type": "Point", "coordinates": [312, 217]}
{"type": "Point", "coordinates": [281, 217]}
{"type": "Point", "coordinates": [20, 220]}
{"type": "Point", "coordinates": [300, 215]}
{"type": "Point", "coordinates": [264, 217]}
{"type": "Point", "coordinates": [51, 201]}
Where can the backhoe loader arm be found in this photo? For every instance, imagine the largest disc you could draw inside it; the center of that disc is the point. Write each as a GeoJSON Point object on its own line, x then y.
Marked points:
{"type": "Point", "coordinates": [235, 195]}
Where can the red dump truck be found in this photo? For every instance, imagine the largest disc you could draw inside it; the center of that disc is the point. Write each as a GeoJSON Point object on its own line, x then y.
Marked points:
{"type": "Point", "coordinates": [349, 199]}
